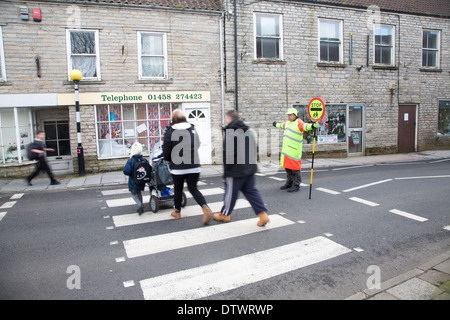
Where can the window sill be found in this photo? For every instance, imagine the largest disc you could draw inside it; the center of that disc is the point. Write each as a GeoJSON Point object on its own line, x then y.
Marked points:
{"type": "Point", "coordinates": [66, 83]}
{"type": "Point", "coordinates": [269, 61]}
{"type": "Point", "coordinates": [330, 64]}
{"type": "Point", "coordinates": [381, 67]}
{"type": "Point", "coordinates": [430, 70]}
{"type": "Point", "coordinates": [154, 81]}
{"type": "Point", "coordinates": [5, 83]}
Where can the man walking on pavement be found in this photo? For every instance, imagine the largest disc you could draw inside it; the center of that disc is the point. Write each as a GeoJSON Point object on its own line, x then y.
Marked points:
{"type": "Point", "coordinates": [239, 158]}
{"type": "Point", "coordinates": [291, 152]}
{"type": "Point", "coordinates": [37, 151]}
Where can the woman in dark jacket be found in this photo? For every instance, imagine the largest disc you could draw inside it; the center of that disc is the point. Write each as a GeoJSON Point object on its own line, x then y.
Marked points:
{"type": "Point", "coordinates": [180, 148]}
{"type": "Point", "coordinates": [135, 189]}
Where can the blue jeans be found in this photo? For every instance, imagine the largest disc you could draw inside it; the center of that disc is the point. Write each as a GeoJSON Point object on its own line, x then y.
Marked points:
{"type": "Point", "coordinates": [137, 196]}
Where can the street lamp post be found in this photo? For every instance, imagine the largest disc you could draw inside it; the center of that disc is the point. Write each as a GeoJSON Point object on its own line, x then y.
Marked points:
{"type": "Point", "coordinates": [76, 76]}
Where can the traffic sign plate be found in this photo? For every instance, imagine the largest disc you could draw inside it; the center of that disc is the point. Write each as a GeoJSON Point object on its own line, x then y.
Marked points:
{"type": "Point", "coordinates": [316, 109]}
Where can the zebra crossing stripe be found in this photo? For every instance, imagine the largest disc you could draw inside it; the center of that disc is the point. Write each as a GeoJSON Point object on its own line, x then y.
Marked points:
{"type": "Point", "coordinates": [182, 239]}
{"type": "Point", "coordinates": [233, 273]}
{"type": "Point", "coordinates": [189, 211]}
{"type": "Point", "coordinates": [129, 201]}
{"type": "Point", "coordinates": [114, 192]}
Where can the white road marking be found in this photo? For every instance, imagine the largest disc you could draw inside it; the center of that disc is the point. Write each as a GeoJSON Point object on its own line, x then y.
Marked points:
{"type": "Point", "coordinates": [354, 167]}
{"type": "Point", "coordinates": [408, 215]}
{"type": "Point", "coordinates": [17, 196]}
{"type": "Point", "coordinates": [112, 203]}
{"type": "Point", "coordinates": [233, 273]}
{"type": "Point", "coordinates": [423, 177]}
{"type": "Point", "coordinates": [366, 185]}
{"type": "Point", "coordinates": [8, 204]}
{"type": "Point", "coordinates": [189, 211]}
{"type": "Point", "coordinates": [366, 202]}
{"type": "Point", "coordinates": [177, 240]}
{"type": "Point", "coordinates": [328, 191]}
{"type": "Point", "coordinates": [2, 215]}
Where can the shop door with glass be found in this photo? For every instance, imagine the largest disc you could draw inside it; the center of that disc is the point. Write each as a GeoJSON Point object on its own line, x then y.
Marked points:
{"type": "Point", "coordinates": [57, 137]}
{"type": "Point", "coordinates": [355, 135]}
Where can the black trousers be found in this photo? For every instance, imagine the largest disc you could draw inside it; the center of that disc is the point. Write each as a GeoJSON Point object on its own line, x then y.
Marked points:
{"type": "Point", "coordinates": [191, 181]}
{"type": "Point", "coordinates": [293, 177]}
{"type": "Point", "coordinates": [41, 165]}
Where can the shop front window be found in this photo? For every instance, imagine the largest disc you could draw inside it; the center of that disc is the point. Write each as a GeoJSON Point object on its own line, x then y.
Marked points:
{"type": "Point", "coordinates": [119, 126]}
{"type": "Point", "coordinates": [331, 128]}
{"type": "Point", "coordinates": [15, 134]}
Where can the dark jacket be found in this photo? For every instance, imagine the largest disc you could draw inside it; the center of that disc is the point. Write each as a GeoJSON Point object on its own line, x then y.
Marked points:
{"type": "Point", "coordinates": [129, 170]}
{"type": "Point", "coordinates": [239, 150]}
{"type": "Point", "coordinates": [180, 147]}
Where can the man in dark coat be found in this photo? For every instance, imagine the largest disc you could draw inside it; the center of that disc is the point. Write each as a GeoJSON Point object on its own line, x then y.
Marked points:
{"type": "Point", "coordinates": [37, 152]}
{"type": "Point", "coordinates": [239, 158]}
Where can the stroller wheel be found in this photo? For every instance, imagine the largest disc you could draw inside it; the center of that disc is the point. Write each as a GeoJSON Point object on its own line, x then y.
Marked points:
{"type": "Point", "coordinates": [154, 204]}
{"type": "Point", "coordinates": [183, 200]}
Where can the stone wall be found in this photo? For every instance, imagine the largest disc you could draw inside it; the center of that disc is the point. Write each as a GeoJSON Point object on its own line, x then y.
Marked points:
{"type": "Point", "coordinates": [193, 57]}
{"type": "Point", "coordinates": [268, 88]}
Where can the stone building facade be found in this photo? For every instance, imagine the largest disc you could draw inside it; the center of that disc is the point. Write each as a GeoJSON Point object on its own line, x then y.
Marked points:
{"type": "Point", "coordinates": [139, 62]}
{"type": "Point", "coordinates": [363, 58]}
{"type": "Point", "coordinates": [382, 69]}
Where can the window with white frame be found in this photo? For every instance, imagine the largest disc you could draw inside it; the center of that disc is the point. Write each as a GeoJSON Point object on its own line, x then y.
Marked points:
{"type": "Point", "coordinates": [120, 125]}
{"type": "Point", "coordinates": [330, 41]}
{"type": "Point", "coordinates": [83, 53]}
{"type": "Point", "coordinates": [430, 48]}
{"type": "Point", "coordinates": [152, 49]}
{"type": "Point", "coordinates": [268, 36]}
{"type": "Point", "coordinates": [384, 45]}
{"type": "Point", "coordinates": [2, 59]}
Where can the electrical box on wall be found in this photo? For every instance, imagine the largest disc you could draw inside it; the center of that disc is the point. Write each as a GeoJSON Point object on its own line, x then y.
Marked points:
{"type": "Point", "coordinates": [37, 15]}
{"type": "Point", "coordinates": [23, 13]}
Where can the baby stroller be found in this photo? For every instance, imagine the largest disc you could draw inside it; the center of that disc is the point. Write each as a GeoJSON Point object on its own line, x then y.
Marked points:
{"type": "Point", "coordinates": [160, 179]}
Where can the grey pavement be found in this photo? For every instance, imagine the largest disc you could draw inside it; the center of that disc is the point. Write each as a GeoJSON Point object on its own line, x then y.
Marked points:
{"type": "Point", "coordinates": [430, 281]}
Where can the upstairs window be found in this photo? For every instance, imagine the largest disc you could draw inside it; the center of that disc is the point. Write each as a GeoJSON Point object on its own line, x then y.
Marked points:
{"type": "Point", "coordinates": [268, 36]}
{"type": "Point", "coordinates": [384, 45]}
{"type": "Point", "coordinates": [430, 49]}
{"type": "Point", "coordinates": [152, 49]}
{"type": "Point", "coordinates": [83, 53]}
{"type": "Point", "coordinates": [330, 41]}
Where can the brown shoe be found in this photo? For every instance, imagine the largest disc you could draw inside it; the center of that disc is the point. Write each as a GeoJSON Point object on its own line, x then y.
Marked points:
{"type": "Point", "coordinates": [263, 219]}
{"type": "Point", "coordinates": [176, 214]}
{"type": "Point", "coordinates": [221, 217]}
{"type": "Point", "coordinates": [207, 214]}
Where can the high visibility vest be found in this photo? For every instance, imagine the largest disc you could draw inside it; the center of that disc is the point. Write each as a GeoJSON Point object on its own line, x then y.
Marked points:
{"type": "Point", "coordinates": [291, 152]}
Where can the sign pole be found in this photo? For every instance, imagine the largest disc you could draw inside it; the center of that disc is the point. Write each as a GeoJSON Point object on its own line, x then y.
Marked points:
{"type": "Point", "coordinates": [316, 111]}
{"type": "Point", "coordinates": [312, 163]}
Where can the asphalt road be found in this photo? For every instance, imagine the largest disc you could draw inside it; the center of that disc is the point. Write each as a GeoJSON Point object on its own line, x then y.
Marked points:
{"type": "Point", "coordinates": [72, 245]}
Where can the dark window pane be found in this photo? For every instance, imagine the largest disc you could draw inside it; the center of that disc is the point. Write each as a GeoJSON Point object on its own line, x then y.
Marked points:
{"type": "Point", "coordinates": [82, 42]}
{"type": "Point", "coordinates": [64, 147]}
{"type": "Point", "coordinates": [53, 145]}
{"type": "Point", "coordinates": [63, 130]}
{"type": "Point", "coordinates": [50, 131]}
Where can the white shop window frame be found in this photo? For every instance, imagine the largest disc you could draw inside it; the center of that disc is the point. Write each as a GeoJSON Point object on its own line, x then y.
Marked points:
{"type": "Point", "coordinates": [97, 54]}
{"type": "Point", "coordinates": [165, 56]}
